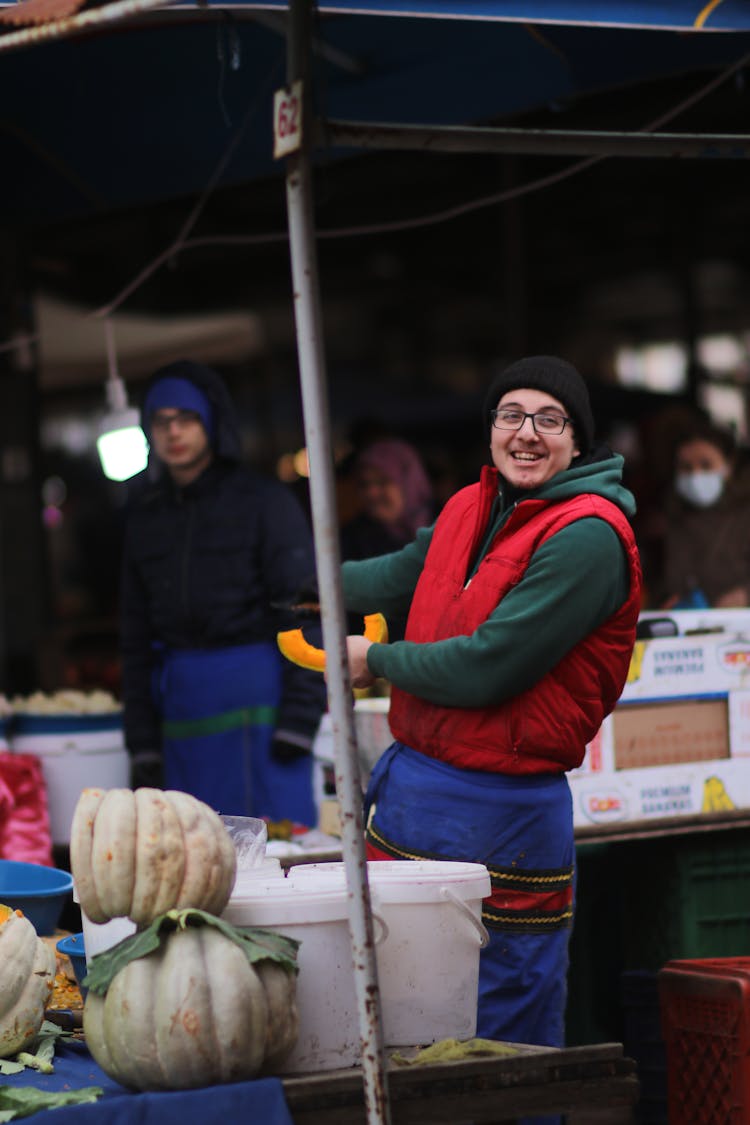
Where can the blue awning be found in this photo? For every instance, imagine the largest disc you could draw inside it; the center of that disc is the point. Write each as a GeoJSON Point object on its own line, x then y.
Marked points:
{"type": "Point", "coordinates": [143, 112]}
{"type": "Point", "coordinates": [667, 15]}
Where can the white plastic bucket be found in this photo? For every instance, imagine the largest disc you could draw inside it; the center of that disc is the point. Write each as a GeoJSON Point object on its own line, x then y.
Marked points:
{"type": "Point", "coordinates": [318, 918]}
{"type": "Point", "coordinates": [373, 735]}
{"type": "Point", "coordinates": [98, 936]}
{"type": "Point", "coordinates": [76, 752]}
{"type": "Point", "coordinates": [428, 958]}
{"type": "Point", "coordinates": [372, 730]}
{"type": "Point", "coordinates": [247, 878]}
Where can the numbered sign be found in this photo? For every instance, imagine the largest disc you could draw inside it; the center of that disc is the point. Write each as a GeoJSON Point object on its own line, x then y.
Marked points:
{"type": "Point", "coordinates": [287, 120]}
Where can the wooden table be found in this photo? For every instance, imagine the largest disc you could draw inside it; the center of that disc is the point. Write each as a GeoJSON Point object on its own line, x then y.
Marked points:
{"type": "Point", "coordinates": [658, 828]}
{"type": "Point", "coordinates": [498, 1089]}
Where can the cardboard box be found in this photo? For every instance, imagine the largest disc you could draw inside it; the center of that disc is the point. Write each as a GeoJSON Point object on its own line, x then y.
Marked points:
{"type": "Point", "coordinates": [656, 792]}
{"type": "Point", "coordinates": [739, 723]}
{"type": "Point", "coordinates": [688, 666]}
{"type": "Point", "coordinates": [666, 733]}
{"type": "Point", "coordinates": [678, 741]}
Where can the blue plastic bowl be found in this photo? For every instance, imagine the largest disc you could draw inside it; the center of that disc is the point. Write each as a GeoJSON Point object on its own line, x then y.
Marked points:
{"type": "Point", "coordinates": [73, 948]}
{"type": "Point", "coordinates": [37, 891]}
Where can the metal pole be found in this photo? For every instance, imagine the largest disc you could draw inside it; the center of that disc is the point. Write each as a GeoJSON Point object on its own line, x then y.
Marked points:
{"type": "Point", "coordinates": [325, 526]}
{"type": "Point", "coordinates": [534, 142]}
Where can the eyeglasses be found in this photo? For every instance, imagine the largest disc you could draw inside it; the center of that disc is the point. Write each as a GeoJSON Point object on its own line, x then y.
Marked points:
{"type": "Point", "coordinates": [181, 418]}
{"type": "Point", "coordinates": [510, 419]}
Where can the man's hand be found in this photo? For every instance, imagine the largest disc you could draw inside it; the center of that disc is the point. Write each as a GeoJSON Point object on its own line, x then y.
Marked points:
{"type": "Point", "coordinates": [356, 649]}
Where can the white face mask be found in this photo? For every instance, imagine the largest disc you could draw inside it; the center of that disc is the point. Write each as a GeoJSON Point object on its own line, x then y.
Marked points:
{"type": "Point", "coordinates": [701, 489]}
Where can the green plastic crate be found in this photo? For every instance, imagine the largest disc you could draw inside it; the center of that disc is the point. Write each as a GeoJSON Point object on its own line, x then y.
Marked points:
{"type": "Point", "coordinates": [686, 897]}
{"type": "Point", "coordinates": [595, 951]}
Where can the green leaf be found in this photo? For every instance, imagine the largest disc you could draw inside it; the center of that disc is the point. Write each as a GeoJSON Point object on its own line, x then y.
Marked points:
{"type": "Point", "coordinates": [54, 1031]}
{"type": "Point", "coordinates": [257, 945]}
{"type": "Point", "coordinates": [43, 1047]}
{"type": "Point", "coordinates": [10, 1066]}
{"type": "Point", "coordinates": [105, 966]}
{"type": "Point", "coordinates": [22, 1101]}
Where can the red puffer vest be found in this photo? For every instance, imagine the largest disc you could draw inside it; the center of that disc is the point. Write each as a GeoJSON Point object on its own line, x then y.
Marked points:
{"type": "Point", "coordinates": [546, 728]}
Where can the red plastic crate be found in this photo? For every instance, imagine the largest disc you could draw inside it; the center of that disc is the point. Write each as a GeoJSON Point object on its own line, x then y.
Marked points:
{"type": "Point", "coordinates": [705, 1020]}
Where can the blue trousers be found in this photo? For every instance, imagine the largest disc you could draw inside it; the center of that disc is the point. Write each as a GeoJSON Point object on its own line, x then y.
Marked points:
{"type": "Point", "coordinates": [219, 709]}
{"type": "Point", "coordinates": [522, 829]}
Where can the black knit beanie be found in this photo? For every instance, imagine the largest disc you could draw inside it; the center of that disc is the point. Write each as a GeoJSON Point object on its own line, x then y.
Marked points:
{"type": "Point", "coordinates": [558, 378]}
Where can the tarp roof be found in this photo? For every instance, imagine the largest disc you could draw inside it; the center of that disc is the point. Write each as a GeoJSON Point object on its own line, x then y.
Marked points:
{"type": "Point", "coordinates": [144, 111]}
{"type": "Point", "coordinates": [670, 15]}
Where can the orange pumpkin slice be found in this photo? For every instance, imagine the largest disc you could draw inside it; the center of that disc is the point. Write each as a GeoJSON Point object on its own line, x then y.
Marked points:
{"type": "Point", "coordinates": [295, 648]}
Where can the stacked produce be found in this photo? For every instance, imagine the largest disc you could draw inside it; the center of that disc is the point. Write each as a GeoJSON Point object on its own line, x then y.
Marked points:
{"type": "Point", "coordinates": [188, 1000]}
{"type": "Point", "coordinates": [66, 701]}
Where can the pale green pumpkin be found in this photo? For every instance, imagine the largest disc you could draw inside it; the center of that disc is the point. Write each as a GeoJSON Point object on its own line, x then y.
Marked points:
{"type": "Point", "coordinates": [27, 977]}
{"type": "Point", "coordinates": [192, 1013]}
{"type": "Point", "coordinates": [137, 854]}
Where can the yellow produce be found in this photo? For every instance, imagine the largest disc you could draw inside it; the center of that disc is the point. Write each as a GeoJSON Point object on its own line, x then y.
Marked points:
{"type": "Point", "coordinates": [294, 647]}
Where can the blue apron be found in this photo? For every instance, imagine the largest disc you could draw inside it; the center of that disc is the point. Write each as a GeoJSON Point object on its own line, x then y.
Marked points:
{"type": "Point", "coordinates": [219, 710]}
{"type": "Point", "coordinates": [521, 827]}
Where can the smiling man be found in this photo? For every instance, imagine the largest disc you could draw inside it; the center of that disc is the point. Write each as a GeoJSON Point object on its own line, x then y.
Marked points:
{"type": "Point", "coordinates": [522, 604]}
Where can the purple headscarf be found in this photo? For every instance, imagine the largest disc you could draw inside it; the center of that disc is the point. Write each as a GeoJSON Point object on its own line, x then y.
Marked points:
{"type": "Point", "coordinates": [400, 463]}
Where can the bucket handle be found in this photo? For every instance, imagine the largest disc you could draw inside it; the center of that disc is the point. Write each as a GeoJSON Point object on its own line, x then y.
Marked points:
{"type": "Point", "coordinates": [384, 931]}
{"type": "Point", "coordinates": [451, 896]}
{"type": "Point", "coordinates": [375, 906]}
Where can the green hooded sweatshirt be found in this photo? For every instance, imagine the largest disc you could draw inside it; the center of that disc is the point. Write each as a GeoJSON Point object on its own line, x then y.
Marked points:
{"type": "Point", "coordinates": [574, 582]}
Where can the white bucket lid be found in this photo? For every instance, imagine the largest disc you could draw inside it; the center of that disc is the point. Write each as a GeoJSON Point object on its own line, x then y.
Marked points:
{"type": "Point", "coordinates": [269, 868]}
{"type": "Point", "coordinates": [279, 902]}
{"type": "Point", "coordinates": [405, 880]}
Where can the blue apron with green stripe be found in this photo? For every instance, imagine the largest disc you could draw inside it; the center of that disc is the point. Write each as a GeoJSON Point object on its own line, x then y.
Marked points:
{"type": "Point", "coordinates": [219, 709]}
{"type": "Point", "coordinates": [521, 828]}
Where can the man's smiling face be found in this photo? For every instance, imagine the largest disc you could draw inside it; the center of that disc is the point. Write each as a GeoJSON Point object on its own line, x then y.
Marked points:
{"type": "Point", "coordinates": [523, 457]}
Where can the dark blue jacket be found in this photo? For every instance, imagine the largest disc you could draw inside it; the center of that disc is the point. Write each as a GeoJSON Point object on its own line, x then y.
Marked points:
{"type": "Point", "coordinates": [204, 566]}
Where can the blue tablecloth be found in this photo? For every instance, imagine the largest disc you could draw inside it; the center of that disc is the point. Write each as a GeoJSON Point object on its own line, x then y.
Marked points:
{"type": "Point", "coordinates": [259, 1100]}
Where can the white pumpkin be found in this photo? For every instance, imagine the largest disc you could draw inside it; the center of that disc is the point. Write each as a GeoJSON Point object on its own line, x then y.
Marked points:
{"type": "Point", "coordinates": [193, 1013]}
{"type": "Point", "coordinates": [138, 853]}
{"type": "Point", "coordinates": [27, 977]}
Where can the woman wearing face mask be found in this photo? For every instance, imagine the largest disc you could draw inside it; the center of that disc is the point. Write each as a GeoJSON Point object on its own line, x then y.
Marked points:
{"type": "Point", "coordinates": [707, 541]}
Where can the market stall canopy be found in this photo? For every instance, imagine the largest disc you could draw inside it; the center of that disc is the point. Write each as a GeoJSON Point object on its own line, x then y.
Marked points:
{"type": "Point", "coordinates": [673, 15]}
{"type": "Point", "coordinates": [179, 98]}
{"type": "Point", "coordinates": [72, 346]}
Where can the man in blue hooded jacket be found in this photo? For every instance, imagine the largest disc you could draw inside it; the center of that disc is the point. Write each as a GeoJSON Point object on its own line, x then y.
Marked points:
{"type": "Point", "coordinates": [211, 550]}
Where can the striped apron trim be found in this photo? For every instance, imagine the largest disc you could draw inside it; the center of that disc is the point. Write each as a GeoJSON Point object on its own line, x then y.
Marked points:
{"type": "Point", "coordinates": [218, 724]}
{"type": "Point", "coordinates": [521, 901]}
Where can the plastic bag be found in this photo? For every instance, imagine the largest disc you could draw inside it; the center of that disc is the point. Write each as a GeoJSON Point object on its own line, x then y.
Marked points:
{"type": "Point", "coordinates": [249, 835]}
{"type": "Point", "coordinates": [24, 816]}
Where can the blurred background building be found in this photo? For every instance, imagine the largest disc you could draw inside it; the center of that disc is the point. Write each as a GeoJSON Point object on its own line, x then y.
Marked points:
{"type": "Point", "coordinates": [159, 203]}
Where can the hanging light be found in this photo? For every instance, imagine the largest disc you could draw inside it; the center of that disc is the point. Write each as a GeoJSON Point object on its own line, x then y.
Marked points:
{"type": "Point", "coordinates": [122, 445]}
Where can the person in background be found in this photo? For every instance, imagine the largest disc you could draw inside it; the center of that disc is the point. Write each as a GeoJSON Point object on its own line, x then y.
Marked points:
{"type": "Point", "coordinates": [213, 552]}
{"type": "Point", "coordinates": [706, 544]}
{"type": "Point", "coordinates": [395, 498]}
{"type": "Point", "coordinates": [522, 607]}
